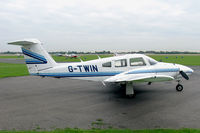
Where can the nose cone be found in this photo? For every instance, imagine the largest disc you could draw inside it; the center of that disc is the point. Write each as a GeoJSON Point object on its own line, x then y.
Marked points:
{"type": "Point", "coordinates": [185, 69]}
{"type": "Point", "coordinates": [189, 71]}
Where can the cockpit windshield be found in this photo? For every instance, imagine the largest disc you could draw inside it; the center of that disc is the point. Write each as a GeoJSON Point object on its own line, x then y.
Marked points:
{"type": "Point", "coordinates": [152, 61]}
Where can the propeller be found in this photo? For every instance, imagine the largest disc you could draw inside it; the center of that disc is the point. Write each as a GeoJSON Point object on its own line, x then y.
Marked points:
{"type": "Point", "coordinates": [184, 75]}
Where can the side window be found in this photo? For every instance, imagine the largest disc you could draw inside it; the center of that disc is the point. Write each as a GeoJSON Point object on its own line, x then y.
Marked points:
{"type": "Point", "coordinates": [121, 63]}
{"type": "Point", "coordinates": [137, 62]}
{"type": "Point", "coordinates": [107, 64]}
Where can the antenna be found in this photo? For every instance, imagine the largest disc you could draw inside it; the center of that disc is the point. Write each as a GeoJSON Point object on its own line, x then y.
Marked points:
{"type": "Point", "coordinates": [98, 56]}
{"type": "Point", "coordinates": [80, 59]}
{"type": "Point", "coordinates": [116, 54]}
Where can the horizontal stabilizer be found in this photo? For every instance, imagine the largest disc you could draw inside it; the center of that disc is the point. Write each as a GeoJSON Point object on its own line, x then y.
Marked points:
{"type": "Point", "coordinates": [25, 42]}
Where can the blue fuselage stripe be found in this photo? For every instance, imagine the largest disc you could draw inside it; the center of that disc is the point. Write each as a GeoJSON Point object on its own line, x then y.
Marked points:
{"type": "Point", "coordinates": [34, 56]}
{"type": "Point", "coordinates": [40, 59]}
{"type": "Point", "coordinates": [27, 51]}
{"type": "Point", "coordinates": [34, 62]}
{"type": "Point", "coordinates": [95, 74]}
{"type": "Point", "coordinates": [81, 74]}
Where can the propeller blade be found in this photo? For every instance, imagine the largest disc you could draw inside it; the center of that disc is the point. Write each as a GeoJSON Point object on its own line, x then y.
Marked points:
{"type": "Point", "coordinates": [184, 75]}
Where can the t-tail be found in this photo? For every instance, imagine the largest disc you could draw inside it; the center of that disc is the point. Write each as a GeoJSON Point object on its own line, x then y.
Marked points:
{"type": "Point", "coordinates": [36, 58]}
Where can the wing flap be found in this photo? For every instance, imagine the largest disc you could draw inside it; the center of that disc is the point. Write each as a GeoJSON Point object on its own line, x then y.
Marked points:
{"type": "Point", "coordinates": [157, 78]}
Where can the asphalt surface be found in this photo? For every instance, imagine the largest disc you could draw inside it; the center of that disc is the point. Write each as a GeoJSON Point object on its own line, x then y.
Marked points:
{"type": "Point", "coordinates": [12, 60]}
{"type": "Point", "coordinates": [32, 102]}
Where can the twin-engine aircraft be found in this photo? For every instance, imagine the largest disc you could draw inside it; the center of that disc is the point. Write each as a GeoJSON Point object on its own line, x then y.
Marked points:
{"type": "Point", "coordinates": [125, 69]}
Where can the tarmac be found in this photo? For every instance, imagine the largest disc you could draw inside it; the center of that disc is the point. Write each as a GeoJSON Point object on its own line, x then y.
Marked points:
{"type": "Point", "coordinates": [30, 102]}
{"type": "Point", "coordinates": [12, 60]}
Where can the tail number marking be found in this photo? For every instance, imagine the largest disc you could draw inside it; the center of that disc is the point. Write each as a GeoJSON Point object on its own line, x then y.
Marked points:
{"type": "Point", "coordinates": [83, 68]}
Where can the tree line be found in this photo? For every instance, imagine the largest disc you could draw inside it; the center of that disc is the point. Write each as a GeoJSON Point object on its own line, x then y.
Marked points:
{"type": "Point", "coordinates": [109, 52]}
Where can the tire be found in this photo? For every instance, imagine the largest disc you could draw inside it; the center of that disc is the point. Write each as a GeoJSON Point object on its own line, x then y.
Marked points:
{"type": "Point", "coordinates": [179, 87]}
{"type": "Point", "coordinates": [130, 96]}
{"type": "Point", "coordinates": [123, 85]}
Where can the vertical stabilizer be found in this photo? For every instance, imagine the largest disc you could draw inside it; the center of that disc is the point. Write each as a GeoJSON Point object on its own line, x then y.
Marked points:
{"type": "Point", "coordinates": [36, 58]}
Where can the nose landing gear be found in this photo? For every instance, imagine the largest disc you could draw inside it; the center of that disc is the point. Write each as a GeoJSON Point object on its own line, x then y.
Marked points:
{"type": "Point", "coordinates": [179, 87]}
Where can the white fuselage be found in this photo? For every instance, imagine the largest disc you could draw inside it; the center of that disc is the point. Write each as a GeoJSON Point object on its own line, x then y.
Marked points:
{"type": "Point", "coordinates": [98, 67]}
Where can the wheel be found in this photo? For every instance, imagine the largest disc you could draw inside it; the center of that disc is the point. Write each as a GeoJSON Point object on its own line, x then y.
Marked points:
{"type": "Point", "coordinates": [149, 83]}
{"type": "Point", "coordinates": [130, 96]}
{"type": "Point", "coordinates": [179, 87]}
{"type": "Point", "coordinates": [123, 85]}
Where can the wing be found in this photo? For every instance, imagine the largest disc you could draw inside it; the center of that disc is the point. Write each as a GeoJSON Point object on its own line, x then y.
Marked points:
{"type": "Point", "coordinates": [143, 77]}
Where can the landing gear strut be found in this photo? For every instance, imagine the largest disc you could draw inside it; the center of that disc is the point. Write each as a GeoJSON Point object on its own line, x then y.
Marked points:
{"type": "Point", "coordinates": [129, 89]}
{"type": "Point", "coordinates": [179, 87]}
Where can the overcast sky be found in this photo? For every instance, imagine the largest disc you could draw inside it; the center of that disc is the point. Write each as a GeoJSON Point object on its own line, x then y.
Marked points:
{"type": "Point", "coordinates": [89, 25]}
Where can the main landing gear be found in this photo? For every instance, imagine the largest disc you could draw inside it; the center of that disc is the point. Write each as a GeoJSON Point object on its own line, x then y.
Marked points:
{"type": "Point", "coordinates": [129, 90]}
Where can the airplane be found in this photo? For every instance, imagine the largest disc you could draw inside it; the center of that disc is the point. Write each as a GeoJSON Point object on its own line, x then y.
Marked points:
{"type": "Point", "coordinates": [70, 56]}
{"type": "Point", "coordinates": [125, 70]}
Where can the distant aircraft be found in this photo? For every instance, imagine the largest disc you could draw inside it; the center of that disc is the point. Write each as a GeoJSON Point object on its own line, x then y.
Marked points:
{"type": "Point", "coordinates": [124, 70]}
{"type": "Point", "coordinates": [59, 54]}
{"type": "Point", "coordinates": [70, 56]}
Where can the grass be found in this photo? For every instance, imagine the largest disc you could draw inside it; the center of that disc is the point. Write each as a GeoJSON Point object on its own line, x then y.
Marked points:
{"type": "Point", "coordinates": [68, 130]}
{"type": "Point", "coordinates": [82, 57]}
{"type": "Point", "coordinates": [188, 60]}
{"type": "Point", "coordinates": [12, 70]}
